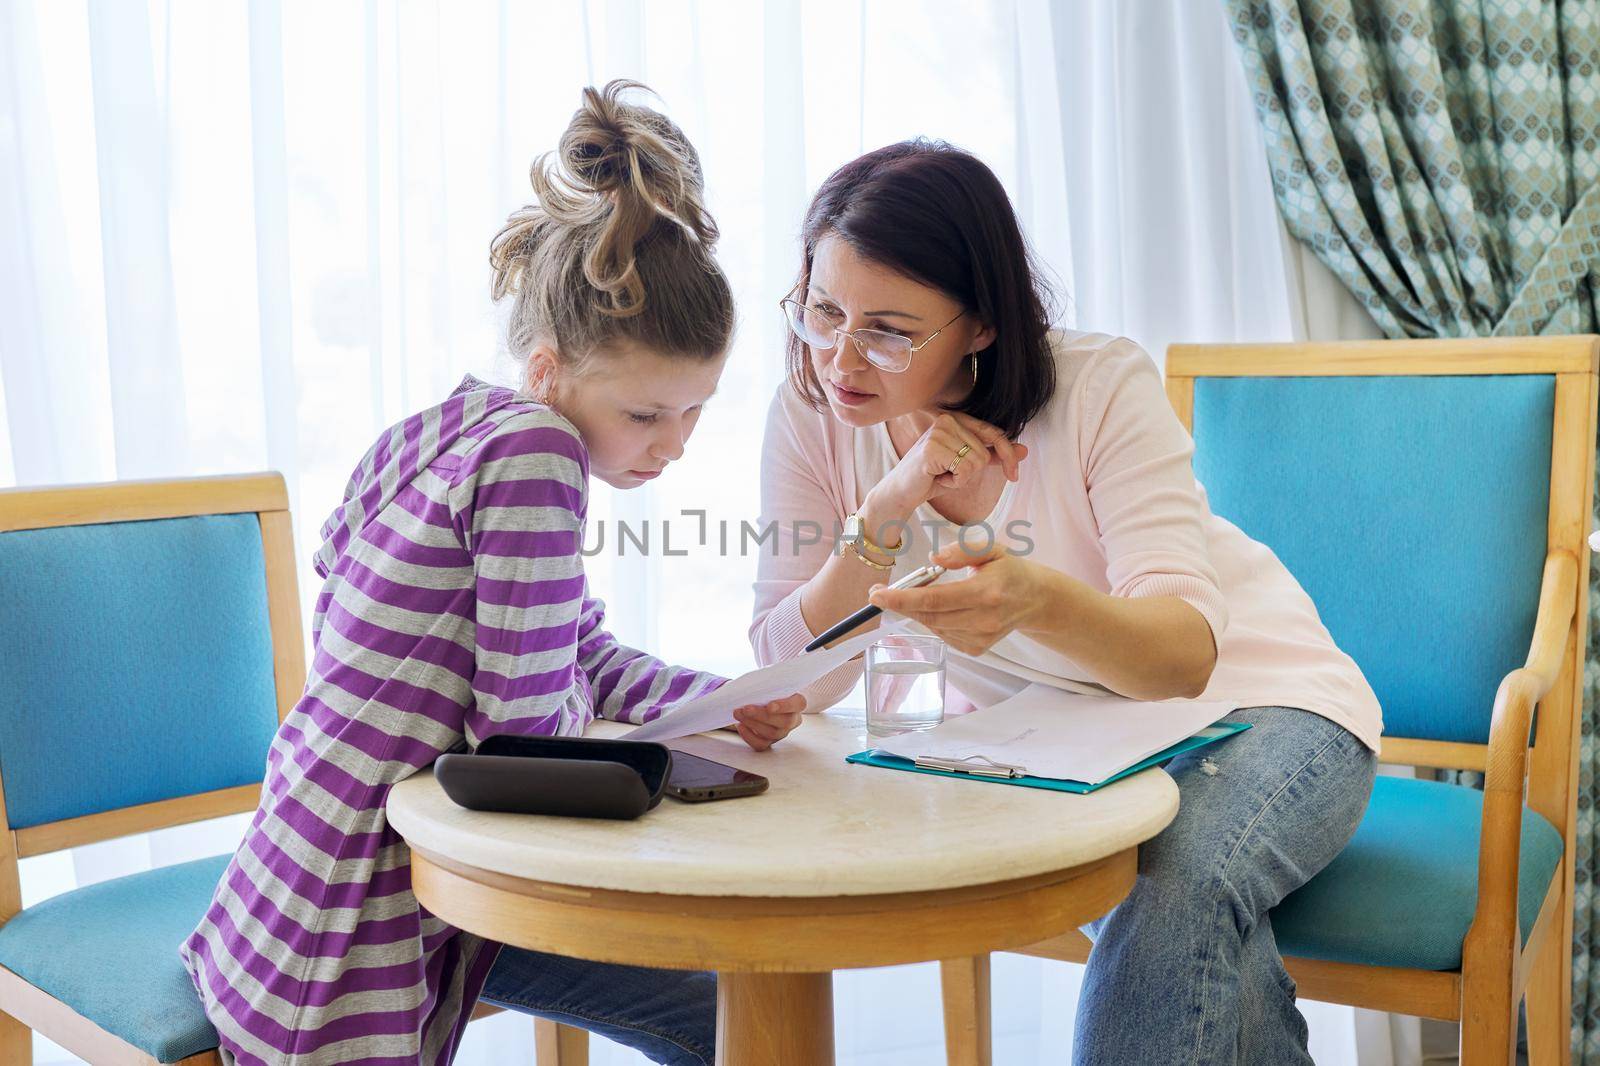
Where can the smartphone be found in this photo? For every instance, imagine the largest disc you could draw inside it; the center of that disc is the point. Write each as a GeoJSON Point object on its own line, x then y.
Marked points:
{"type": "Point", "coordinates": [695, 780]}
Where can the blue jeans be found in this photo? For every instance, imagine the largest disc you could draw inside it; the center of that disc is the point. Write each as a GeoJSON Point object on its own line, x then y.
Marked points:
{"type": "Point", "coordinates": [1185, 969]}
{"type": "Point", "coordinates": [669, 1016]}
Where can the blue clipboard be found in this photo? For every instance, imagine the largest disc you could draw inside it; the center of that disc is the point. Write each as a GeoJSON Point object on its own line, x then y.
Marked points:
{"type": "Point", "coordinates": [1209, 735]}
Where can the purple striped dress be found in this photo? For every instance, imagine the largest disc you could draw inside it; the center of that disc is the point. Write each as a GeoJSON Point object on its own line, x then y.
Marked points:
{"type": "Point", "coordinates": [454, 608]}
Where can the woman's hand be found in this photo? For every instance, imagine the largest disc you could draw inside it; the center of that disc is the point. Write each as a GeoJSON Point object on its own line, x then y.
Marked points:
{"type": "Point", "coordinates": [762, 725]}
{"type": "Point", "coordinates": [1004, 593]}
{"type": "Point", "coordinates": [930, 467]}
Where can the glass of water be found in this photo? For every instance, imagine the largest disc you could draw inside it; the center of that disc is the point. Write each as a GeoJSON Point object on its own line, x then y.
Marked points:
{"type": "Point", "coordinates": [905, 684]}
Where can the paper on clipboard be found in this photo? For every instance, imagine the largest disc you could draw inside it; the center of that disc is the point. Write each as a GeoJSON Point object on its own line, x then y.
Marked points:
{"type": "Point", "coordinates": [1063, 735]}
{"type": "Point", "coordinates": [715, 709]}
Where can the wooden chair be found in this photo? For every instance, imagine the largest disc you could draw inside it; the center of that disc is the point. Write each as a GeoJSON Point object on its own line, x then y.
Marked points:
{"type": "Point", "coordinates": [128, 582]}
{"type": "Point", "coordinates": [150, 640]}
{"type": "Point", "coordinates": [559, 1045]}
{"type": "Point", "coordinates": [1433, 497]}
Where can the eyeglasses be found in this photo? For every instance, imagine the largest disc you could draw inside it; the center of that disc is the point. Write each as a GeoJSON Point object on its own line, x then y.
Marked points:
{"type": "Point", "coordinates": [889, 352]}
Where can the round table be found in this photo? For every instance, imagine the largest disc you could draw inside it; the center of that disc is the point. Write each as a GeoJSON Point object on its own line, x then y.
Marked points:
{"type": "Point", "coordinates": [836, 866]}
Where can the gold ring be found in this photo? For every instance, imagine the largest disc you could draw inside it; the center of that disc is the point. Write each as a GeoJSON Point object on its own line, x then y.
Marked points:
{"type": "Point", "coordinates": [966, 449]}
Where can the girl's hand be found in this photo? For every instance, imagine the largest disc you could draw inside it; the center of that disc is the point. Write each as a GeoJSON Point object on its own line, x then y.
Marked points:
{"type": "Point", "coordinates": [925, 472]}
{"type": "Point", "coordinates": [762, 725]}
{"type": "Point", "coordinates": [1004, 593]}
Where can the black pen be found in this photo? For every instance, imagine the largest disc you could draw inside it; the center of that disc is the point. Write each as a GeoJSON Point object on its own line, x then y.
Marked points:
{"type": "Point", "coordinates": [924, 575]}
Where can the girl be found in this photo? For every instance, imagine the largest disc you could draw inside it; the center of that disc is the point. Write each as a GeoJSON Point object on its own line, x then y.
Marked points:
{"type": "Point", "coordinates": [928, 393]}
{"type": "Point", "coordinates": [455, 608]}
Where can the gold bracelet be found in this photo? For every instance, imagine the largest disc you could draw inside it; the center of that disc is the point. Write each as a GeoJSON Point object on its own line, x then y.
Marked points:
{"type": "Point", "coordinates": [859, 555]}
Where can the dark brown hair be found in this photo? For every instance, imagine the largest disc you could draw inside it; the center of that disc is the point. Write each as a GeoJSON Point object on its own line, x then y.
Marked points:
{"type": "Point", "coordinates": [939, 216]}
{"type": "Point", "coordinates": [617, 245]}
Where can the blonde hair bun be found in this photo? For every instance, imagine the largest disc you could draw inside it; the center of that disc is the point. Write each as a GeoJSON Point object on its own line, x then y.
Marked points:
{"type": "Point", "coordinates": [618, 221]}
{"type": "Point", "coordinates": [631, 169]}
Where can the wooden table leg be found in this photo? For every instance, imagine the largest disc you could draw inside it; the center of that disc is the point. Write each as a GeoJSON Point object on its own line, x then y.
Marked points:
{"type": "Point", "coordinates": [967, 1041]}
{"type": "Point", "coordinates": [774, 1019]}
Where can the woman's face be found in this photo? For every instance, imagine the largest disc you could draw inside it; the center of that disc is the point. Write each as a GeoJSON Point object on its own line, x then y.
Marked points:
{"type": "Point", "coordinates": [634, 409]}
{"type": "Point", "coordinates": [856, 293]}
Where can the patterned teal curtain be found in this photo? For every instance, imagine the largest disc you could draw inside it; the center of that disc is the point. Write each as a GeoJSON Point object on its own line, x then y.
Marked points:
{"type": "Point", "coordinates": [1441, 158]}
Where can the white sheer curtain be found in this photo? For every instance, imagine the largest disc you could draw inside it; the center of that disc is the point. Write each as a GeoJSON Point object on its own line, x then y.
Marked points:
{"type": "Point", "coordinates": [244, 236]}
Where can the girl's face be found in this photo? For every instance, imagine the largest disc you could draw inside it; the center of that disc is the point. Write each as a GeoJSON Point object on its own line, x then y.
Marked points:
{"type": "Point", "coordinates": [856, 293]}
{"type": "Point", "coordinates": [634, 409]}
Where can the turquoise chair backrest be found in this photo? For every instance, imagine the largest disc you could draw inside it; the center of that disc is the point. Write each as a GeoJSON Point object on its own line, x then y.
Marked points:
{"type": "Point", "coordinates": [1413, 510]}
{"type": "Point", "coordinates": [135, 664]}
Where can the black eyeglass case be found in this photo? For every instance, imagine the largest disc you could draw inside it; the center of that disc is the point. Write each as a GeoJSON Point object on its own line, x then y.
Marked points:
{"type": "Point", "coordinates": [574, 777]}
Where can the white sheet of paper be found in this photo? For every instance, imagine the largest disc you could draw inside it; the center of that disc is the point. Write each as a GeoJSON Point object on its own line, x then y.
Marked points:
{"type": "Point", "coordinates": [1063, 735]}
{"type": "Point", "coordinates": [715, 710]}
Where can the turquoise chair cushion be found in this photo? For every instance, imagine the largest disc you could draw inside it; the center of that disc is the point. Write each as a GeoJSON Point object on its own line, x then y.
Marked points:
{"type": "Point", "coordinates": [135, 664]}
{"type": "Point", "coordinates": [1402, 893]}
{"type": "Point", "coordinates": [1413, 511]}
{"type": "Point", "coordinates": [110, 952]}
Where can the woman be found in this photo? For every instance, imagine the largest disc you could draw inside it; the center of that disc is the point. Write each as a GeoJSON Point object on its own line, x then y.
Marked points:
{"type": "Point", "coordinates": [455, 608]}
{"type": "Point", "coordinates": [926, 393]}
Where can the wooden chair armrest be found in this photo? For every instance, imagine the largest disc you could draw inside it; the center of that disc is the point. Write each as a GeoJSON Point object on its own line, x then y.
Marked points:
{"type": "Point", "coordinates": [1494, 926]}
{"type": "Point", "coordinates": [1524, 687]}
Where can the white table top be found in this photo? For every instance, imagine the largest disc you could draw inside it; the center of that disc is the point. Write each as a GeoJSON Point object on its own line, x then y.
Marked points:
{"type": "Point", "coordinates": [824, 828]}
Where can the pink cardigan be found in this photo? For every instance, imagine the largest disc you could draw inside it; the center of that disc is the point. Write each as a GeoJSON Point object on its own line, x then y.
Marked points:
{"type": "Point", "coordinates": [1107, 495]}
